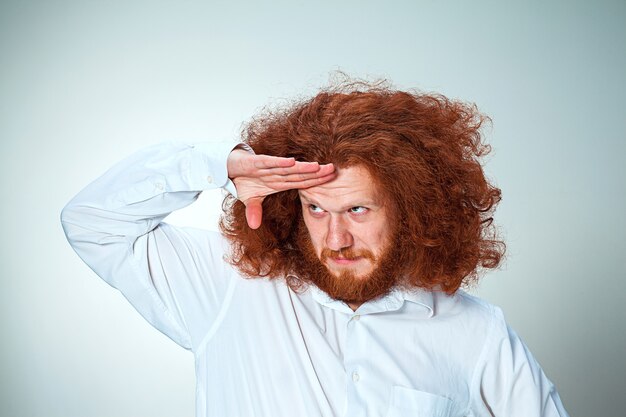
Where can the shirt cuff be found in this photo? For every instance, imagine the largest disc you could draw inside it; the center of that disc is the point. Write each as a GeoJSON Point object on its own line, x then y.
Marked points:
{"type": "Point", "coordinates": [214, 171]}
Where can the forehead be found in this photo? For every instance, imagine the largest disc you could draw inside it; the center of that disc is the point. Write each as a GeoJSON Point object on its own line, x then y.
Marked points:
{"type": "Point", "coordinates": [351, 187]}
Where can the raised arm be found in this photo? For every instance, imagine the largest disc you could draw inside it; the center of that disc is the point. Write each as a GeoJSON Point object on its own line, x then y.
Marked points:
{"type": "Point", "coordinates": [175, 277]}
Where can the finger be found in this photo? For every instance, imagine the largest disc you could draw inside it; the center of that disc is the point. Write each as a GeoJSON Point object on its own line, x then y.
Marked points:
{"type": "Point", "coordinates": [298, 168]}
{"type": "Point", "coordinates": [304, 168]}
{"type": "Point", "coordinates": [267, 161]}
{"type": "Point", "coordinates": [296, 177]}
{"type": "Point", "coordinates": [326, 169]}
{"type": "Point", "coordinates": [282, 186]}
{"type": "Point", "coordinates": [254, 212]}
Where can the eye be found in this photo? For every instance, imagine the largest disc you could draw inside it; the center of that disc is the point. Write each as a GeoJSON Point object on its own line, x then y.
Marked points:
{"type": "Point", "coordinates": [314, 209]}
{"type": "Point", "coordinates": [358, 210]}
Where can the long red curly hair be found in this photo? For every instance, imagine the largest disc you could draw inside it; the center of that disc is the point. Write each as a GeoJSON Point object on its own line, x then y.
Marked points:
{"type": "Point", "coordinates": [424, 152]}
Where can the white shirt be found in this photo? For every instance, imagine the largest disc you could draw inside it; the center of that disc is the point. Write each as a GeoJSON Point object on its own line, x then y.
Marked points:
{"type": "Point", "coordinates": [262, 349]}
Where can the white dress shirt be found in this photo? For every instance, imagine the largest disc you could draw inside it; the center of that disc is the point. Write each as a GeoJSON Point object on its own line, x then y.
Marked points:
{"type": "Point", "coordinates": [263, 350]}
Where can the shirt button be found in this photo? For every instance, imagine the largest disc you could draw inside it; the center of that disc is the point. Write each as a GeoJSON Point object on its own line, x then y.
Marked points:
{"type": "Point", "coordinates": [209, 179]}
{"type": "Point", "coordinates": [355, 376]}
{"type": "Point", "coordinates": [356, 317]}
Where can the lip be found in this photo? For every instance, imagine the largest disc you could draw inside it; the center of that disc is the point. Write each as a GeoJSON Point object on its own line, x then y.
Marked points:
{"type": "Point", "coordinates": [345, 261]}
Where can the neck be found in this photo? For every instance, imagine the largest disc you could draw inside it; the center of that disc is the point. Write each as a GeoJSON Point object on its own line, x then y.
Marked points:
{"type": "Point", "coordinates": [354, 306]}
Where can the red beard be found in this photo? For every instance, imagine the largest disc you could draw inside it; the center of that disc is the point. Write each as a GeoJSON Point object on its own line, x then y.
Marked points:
{"type": "Point", "coordinates": [346, 286]}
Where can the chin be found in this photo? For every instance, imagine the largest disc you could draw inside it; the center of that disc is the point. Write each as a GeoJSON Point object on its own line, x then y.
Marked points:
{"type": "Point", "coordinates": [349, 272]}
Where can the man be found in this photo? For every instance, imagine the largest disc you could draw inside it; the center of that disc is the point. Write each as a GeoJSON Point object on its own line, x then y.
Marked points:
{"type": "Point", "coordinates": [333, 289]}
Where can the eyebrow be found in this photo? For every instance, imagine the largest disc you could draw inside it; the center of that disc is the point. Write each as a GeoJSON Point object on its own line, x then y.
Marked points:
{"type": "Point", "coordinates": [362, 203]}
{"type": "Point", "coordinates": [307, 200]}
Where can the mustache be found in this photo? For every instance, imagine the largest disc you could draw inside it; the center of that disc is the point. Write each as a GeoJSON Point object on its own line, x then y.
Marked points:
{"type": "Point", "coordinates": [348, 253]}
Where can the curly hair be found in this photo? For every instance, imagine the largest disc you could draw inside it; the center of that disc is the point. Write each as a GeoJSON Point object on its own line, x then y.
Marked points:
{"type": "Point", "coordinates": [423, 150]}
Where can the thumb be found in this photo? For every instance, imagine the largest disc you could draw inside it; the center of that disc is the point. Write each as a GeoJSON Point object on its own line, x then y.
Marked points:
{"type": "Point", "coordinates": [254, 212]}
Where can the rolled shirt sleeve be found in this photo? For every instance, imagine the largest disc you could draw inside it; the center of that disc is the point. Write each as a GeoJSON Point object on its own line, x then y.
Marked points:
{"type": "Point", "coordinates": [175, 277]}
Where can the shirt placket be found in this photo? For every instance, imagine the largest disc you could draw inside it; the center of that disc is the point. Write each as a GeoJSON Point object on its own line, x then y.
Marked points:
{"type": "Point", "coordinates": [356, 370]}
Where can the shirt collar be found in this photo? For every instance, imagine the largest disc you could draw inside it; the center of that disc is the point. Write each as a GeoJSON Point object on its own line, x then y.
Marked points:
{"type": "Point", "coordinates": [390, 302]}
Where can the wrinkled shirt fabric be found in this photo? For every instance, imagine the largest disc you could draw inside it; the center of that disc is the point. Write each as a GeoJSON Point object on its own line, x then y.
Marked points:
{"type": "Point", "coordinates": [262, 349]}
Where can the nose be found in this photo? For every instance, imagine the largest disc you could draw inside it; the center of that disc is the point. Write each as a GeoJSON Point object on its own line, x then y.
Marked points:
{"type": "Point", "coordinates": [338, 236]}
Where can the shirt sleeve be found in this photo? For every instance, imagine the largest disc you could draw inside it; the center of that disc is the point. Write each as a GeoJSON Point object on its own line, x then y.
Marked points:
{"type": "Point", "coordinates": [509, 382]}
{"type": "Point", "coordinates": [175, 277]}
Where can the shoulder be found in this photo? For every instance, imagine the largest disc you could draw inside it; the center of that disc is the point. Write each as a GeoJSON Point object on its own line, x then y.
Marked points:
{"type": "Point", "coordinates": [507, 379]}
{"type": "Point", "coordinates": [472, 322]}
{"type": "Point", "coordinates": [469, 309]}
{"type": "Point", "coordinates": [487, 315]}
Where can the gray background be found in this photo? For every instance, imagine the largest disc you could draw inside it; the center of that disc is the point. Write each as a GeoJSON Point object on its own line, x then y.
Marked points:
{"type": "Point", "coordinates": [85, 83]}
